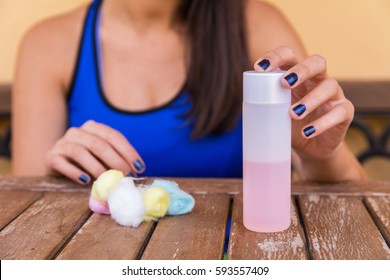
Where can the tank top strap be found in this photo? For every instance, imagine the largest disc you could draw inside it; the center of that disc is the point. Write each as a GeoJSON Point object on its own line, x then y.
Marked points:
{"type": "Point", "coordinates": [86, 63]}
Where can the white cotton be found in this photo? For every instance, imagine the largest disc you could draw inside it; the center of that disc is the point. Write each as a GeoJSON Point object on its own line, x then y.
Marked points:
{"type": "Point", "coordinates": [126, 204]}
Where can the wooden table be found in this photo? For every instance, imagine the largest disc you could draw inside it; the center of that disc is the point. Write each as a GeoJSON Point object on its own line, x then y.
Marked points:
{"type": "Point", "coordinates": [47, 218]}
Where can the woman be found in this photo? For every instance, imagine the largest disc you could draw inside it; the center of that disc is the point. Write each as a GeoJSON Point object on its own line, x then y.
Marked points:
{"type": "Point", "coordinates": [155, 87]}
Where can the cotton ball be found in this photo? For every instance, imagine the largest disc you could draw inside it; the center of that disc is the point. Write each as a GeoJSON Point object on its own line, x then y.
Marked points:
{"type": "Point", "coordinates": [126, 204]}
{"type": "Point", "coordinates": [98, 206]}
{"type": "Point", "coordinates": [181, 203]}
{"type": "Point", "coordinates": [156, 200]}
{"type": "Point", "coordinates": [170, 186]}
{"type": "Point", "coordinates": [105, 183]}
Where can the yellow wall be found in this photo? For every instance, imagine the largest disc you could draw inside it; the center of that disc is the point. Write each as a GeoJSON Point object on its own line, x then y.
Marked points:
{"type": "Point", "coordinates": [16, 16]}
{"type": "Point", "coordinates": [354, 35]}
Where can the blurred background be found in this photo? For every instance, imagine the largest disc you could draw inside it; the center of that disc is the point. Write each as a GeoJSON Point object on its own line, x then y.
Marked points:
{"type": "Point", "coordinates": [353, 35]}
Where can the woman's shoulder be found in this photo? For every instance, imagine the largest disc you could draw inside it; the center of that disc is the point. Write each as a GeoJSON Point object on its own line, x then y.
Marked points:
{"type": "Point", "coordinates": [58, 29]}
{"type": "Point", "coordinates": [54, 39]}
{"type": "Point", "coordinates": [268, 28]}
{"type": "Point", "coordinates": [261, 8]}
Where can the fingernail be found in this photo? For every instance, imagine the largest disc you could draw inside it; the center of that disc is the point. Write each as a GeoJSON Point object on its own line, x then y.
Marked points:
{"type": "Point", "coordinates": [138, 165]}
{"type": "Point", "coordinates": [264, 64]}
{"type": "Point", "coordinates": [299, 109]}
{"type": "Point", "coordinates": [309, 130]}
{"type": "Point", "coordinates": [291, 78]}
{"type": "Point", "coordinates": [84, 178]}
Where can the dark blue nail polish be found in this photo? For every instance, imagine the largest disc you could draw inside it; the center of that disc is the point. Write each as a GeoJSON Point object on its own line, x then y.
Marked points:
{"type": "Point", "coordinates": [264, 64]}
{"type": "Point", "coordinates": [299, 109]}
{"type": "Point", "coordinates": [309, 130]}
{"type": "Point", "coordinates": [84, 178]}
{"type": "Point", "coordinates": [291, 78]}
{"type": "Point", "coordinates": [138, 165]}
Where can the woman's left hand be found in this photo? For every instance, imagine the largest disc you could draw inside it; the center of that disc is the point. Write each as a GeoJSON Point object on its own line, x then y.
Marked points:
{"type": "Point", "coordinates": [321, 114]}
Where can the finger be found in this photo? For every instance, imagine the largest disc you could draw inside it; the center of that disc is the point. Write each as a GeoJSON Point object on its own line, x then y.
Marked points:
{"type": "Point", "coordinates": [118, 142]}
{"type": "Point", "coordinates": [63, 166]}
{"type": "Point", "coordinates": [275, 59]}
{"type": "Point", "coordinates": [82, 157]}
{"type": "Point", "coordinates": [100, 148]}
{"type": "Point", "coordinates": [313, 66]}
{"type": "Point", "coordinates": [342, 113]}
{"type": "Point", "coordinates": [327, 89]}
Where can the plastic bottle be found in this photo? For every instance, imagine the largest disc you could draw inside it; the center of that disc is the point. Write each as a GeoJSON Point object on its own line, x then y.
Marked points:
{"type": "Point", "coordinates": [266, 152]}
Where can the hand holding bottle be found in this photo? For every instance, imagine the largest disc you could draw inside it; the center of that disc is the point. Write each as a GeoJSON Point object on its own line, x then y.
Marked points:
{"type": "Point", "coordinates": [321, 114]}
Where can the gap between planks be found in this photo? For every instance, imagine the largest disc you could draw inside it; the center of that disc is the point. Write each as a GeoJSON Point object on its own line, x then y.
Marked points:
{"type": "Point", "coordinates": [379, 210]}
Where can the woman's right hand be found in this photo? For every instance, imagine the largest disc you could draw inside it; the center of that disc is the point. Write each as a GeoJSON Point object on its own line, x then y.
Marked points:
{"type": "Point", "coordinates": [90, 150]}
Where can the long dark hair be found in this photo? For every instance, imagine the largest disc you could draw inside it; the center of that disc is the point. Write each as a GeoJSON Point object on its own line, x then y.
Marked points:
{"type": "Point", "coordinates": [218, 56]}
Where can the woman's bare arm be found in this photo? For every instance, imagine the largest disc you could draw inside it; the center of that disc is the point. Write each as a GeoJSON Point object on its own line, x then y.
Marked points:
{"type": "Point", "coordinates": [43, 72]}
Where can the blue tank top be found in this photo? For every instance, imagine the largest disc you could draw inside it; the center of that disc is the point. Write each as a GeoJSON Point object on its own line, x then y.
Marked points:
{"type": "Point", "coordinates": [160, 135]}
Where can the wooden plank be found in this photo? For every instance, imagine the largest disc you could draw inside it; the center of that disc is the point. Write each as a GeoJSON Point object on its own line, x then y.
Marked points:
{"type": "Point", "coordinates": [203, 186]}
{"type": "Point", "coordinates": [12, 203]}
{"type": "Point", "coordinates": [101, 238]}
{"type": "Point", "coordinates": [249, 245]}
{"type": "Point", "coordinates": [341, 228]}
{"type": "Point", "coordinates": [379, 208]}
{"type": "Point", "coordinates": [44, 227]}
{"type": "Point", "coordinates": [351, 188]}
{"type": "Point", "coordinates": [5, 163]}
{"type": "Point", "coordinates": [41, 184]}
{"type": "Point", "coordinates": [196, 235]}
{"type": "Point", "coordinates": [368, 96]}
{"type": "Point", "coordinates": [198, 185]}
{"type": "Point", "coordinates": [5, 101]}
{"type": "Point", "coordinates": [210, 185]}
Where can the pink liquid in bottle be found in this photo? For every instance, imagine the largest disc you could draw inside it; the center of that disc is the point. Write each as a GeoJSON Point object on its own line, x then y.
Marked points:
{"type": "Point", "coordinates": [266, 152]}
{"type": "Point", "coordinates": [267, 196]}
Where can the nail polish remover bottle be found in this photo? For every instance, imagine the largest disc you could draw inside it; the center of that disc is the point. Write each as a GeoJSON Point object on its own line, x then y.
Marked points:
{"type": "Point", "coordinates": [266, 152]}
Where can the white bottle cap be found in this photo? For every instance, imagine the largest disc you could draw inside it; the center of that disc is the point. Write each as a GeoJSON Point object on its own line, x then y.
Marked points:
{"type": "Point", "coordinates": [265, 87]}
